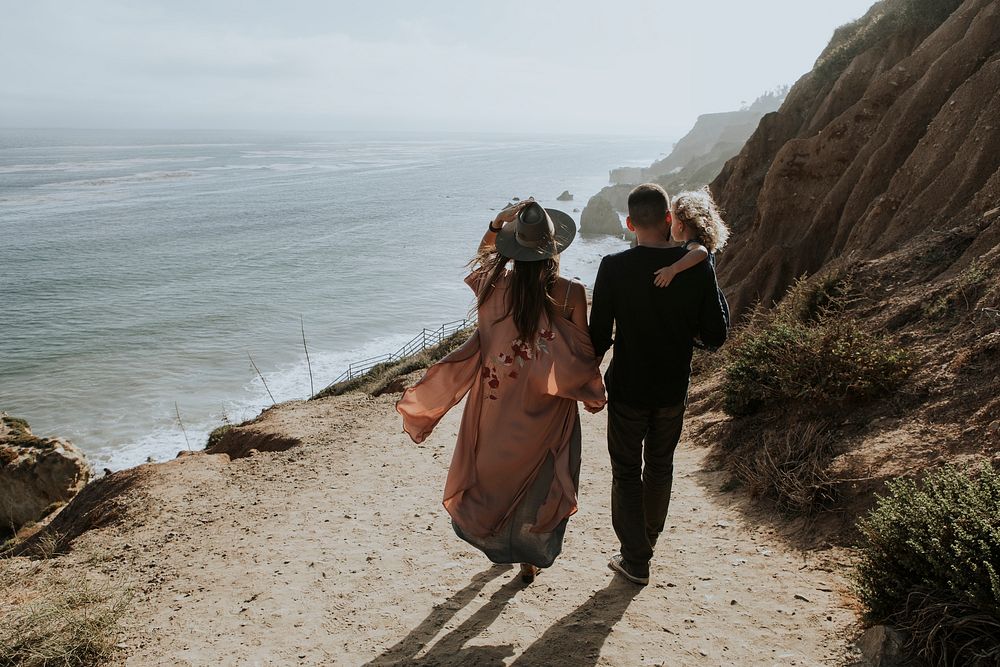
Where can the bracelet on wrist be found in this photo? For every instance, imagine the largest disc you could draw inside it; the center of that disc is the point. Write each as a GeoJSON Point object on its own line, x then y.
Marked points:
{"type": "Point", "coordinates": [495, 230]}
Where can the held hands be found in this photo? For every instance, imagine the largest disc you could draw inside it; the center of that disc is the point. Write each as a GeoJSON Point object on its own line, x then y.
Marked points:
{"type": "Point", "coordinates": [664, 276]}
{"type": "Point", "coordinates": [593, 407]}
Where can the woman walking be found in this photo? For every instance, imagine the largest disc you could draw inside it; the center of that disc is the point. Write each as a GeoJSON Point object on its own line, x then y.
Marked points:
{"type": "Point", "coordinates": [512, 484]}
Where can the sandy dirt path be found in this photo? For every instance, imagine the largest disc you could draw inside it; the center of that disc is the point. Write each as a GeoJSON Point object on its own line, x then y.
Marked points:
{"type": "Point", "coordinates": [338, 552]}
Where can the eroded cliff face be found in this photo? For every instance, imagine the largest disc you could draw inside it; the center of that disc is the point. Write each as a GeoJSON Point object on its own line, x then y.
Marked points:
{"type": "Point", "coordinates": [880, 174]}
{"type": "Point", "coordinates": [894, 150]}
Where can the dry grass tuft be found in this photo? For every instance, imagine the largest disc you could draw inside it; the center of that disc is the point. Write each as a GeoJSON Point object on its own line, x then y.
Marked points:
{"type": "Point", "coordinates": [950, 632]}
{"type": "Point", "coordinates": [790, 468]}
{"type": "Point", "coordinates": [68, 623]}
{"type": "Point", "coordinates": [48, 544]}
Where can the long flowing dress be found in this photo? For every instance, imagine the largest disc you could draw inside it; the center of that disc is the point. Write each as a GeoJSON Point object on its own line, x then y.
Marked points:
{"type": "Point", "coordinates": [512, 484]}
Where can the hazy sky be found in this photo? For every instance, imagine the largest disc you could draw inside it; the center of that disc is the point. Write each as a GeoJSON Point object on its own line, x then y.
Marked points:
{"type": "Point", "coordinates": [605, 67]}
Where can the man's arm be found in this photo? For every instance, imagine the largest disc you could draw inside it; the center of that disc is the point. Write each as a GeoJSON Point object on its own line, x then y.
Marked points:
{"type": "Point", "coordinates": [713, 319]}
{"type": "Point", "coordinates": [602, 311]}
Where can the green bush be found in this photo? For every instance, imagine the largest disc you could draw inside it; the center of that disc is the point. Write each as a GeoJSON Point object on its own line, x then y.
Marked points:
{"type": "Point", "coordinates": [807, 348]}
{"type": "Point", "coordinates": [813, 299]}
{"type": "Point", "coordinates": [215, 437]}
{"type": "Point", "coordinates": [782, 359]}
{"type": "Point", "coordinates": [930, 550]}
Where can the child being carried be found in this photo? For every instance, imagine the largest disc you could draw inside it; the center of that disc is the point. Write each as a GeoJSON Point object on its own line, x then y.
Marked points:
{"type": "Point", "coordinates": [695, 222]}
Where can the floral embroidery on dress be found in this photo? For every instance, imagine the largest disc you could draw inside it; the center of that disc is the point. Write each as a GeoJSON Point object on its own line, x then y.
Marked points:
{"type": "Point", "coordinates": [521, 354]}
{"type": "Point", "coordinates": [491, 379]}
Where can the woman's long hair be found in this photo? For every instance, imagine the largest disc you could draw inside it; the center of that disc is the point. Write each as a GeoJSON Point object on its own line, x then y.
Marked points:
{"type": "Point", "coordinates": [529, 289]}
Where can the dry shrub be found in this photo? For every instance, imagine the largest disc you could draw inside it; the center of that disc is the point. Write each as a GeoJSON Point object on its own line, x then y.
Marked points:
{"type": "Point", "coordinates": [950, 632]}
{"type": "Point", "coordinates": [69, 623]}
{"type": "Point", "coordinates": [790, 467]}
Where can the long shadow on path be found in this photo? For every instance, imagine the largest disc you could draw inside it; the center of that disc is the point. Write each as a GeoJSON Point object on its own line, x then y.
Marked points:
{"type": "Point", "coordinates": [404, 652]}
{"type": "Point", "coordinates": [576, 639]}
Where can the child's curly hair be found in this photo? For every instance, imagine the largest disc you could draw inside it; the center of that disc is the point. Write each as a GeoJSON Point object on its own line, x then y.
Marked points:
{"type": "Point", "coordinates": [696, 209]}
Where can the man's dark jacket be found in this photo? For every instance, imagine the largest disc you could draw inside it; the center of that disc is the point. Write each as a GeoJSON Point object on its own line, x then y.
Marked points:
{"type": "Point", "coordinates": [655, 328]}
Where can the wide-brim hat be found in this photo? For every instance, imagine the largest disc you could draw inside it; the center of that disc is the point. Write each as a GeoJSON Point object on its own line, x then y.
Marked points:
{"type": "Point", "coordinates": [536, 234]}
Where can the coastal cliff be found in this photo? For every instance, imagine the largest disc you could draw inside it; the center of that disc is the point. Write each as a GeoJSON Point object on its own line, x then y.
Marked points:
{"type": "Point", "coordinates": [859, 396]}
{"type": "Point", "coordinates": [889, 147]}
{"type": "Point", "coordinates": [697, 157]}
{"type": "Point", "coordinates": [874, 194]}
{"type": "Point", "coordinates": [314, 534]}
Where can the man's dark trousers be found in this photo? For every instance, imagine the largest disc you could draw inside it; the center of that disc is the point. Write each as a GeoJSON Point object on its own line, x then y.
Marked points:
{"type": "Point", "coordinates": [640, 496]}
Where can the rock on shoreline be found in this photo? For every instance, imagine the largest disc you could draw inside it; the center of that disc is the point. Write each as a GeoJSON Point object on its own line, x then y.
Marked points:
{"type": "Point", "coordinates": [599, 217]}
{"type": "Point", "coordinates": [37, 475]}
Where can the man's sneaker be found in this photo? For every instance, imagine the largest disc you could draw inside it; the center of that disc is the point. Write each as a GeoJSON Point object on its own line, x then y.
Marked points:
{"type": "Point", "coordinates": [617, 564]}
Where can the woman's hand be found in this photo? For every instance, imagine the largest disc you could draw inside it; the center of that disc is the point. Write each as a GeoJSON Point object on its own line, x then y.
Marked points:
{"type": "Point", "coordinates": [510, 212]}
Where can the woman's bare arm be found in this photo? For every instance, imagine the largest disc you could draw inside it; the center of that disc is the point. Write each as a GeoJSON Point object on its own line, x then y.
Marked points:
{"type": "Point", "coordinates": [502, 218]}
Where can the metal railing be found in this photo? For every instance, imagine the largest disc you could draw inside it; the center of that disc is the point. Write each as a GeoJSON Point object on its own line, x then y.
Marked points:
{"type": "Point", "coordinates": [423, 340]}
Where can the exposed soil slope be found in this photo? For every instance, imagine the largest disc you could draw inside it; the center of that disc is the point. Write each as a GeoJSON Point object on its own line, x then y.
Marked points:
{"type": "Point", "coordinates": [882, 169]}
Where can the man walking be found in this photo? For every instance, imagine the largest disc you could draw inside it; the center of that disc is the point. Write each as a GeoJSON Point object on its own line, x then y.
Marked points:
{"type": "Point", "coordinates": [647, 381]}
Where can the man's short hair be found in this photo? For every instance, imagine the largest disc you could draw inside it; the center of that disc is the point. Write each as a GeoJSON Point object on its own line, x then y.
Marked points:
{"type": "Point", "coordinates": [647, 205]}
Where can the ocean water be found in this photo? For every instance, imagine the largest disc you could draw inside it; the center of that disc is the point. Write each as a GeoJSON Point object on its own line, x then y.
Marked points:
{"type": "Point", "coordinates": [139, 269]}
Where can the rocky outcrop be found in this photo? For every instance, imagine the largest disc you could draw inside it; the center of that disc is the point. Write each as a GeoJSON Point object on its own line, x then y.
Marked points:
{"type": "Point", "coordinates": [701, 153]}
{"type": "Point", "coordinates": [881, 646]}
{"type": "Point", "coordinates": [892, 140]}
{"type": "Point", "coordinates": [627, 175]}
{"type": "Point", "coordinates": [565, 196]}
{"type": "Point", "coordinates": [617, 195]}
{"type": "Point", "coordinates": [698, 157]}
{"type": "Point", "coordinates": [36, 474]}
{"type": "Point", "coordinates": [599, 217]}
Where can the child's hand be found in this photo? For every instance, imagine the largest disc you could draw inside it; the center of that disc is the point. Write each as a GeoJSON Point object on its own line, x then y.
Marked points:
{"type": "Point", "coordinates": [664, 276]}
